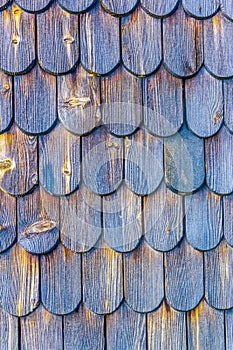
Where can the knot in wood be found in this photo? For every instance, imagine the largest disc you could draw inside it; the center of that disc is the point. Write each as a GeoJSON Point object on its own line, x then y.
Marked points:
{"type": "Point", "coordinates": [5, 164]}
{"type": "Point", "coordinates": [73, 102]}
{"type": "Point", "coordinates": [68, 40]}
{"type": "Point", "coordinates": [15, 40]}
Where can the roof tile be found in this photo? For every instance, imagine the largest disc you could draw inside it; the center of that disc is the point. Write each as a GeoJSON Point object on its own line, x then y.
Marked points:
{"type": "Point", "coordinates": [119, 7]}
{"type": "Point", "coordinates": [144, 278]}
{"type": "Point", "coordinates": [9, 333]}
{"type": "Point", "coordinates": [100, 45]}
{"type": "Point", "coordinates": [186, 39]}
{"type": "Point", "coordinates": [61, 280]}
{"type": "Point", "coordinates": [159, 8]}
{"type": "Point", "coordinates": [7, 221]}
{"type": "Point", "coordinates": [59, 175]}
{"type": "Point", "coordinates": [201, 8]}
{"type": "Point", "coordinates": [228, 103]}
{"type": "Point", "coordinates": [204, 104]}
{"type": "Point", "coordinates": [59, 24]}
{"type": "Point", "coordinates": [35, 101]}
{"type": "Point", "coordinates": [228, 218]}
{"type": "Point", "coordinates": [76, 6]}
{"type": "Point", "coordinates": [163, 103]}
{"type": "Point", "coordinates": [6, 112]}
{"type": "Point", "coordinates": [184, 287]}
{"type": "Point", "coordinates": [17, 49]}
{"type": "Point", "coordinates": [141, 43]}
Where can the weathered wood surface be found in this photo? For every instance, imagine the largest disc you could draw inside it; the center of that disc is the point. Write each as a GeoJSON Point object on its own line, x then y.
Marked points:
{"type": "Point", "coordinates": [121, 102]}
{"type": "Point", "coordinates": [204, 219]}
{"type": "Point", "coordinates": [159, 8]}
{"type": "Point", "coordinates": [126, 329]}
{"type": "Point", "coordinates": [61, 280]}
{"type": "Point", "coordinates": [163, 217]}
{"type": "Point", "coordinates": [76, 6]}
{"type": "Point", "coordinates": [219, 165]}
{"type": "Point", "coordinates": [18, 162]}
{"type": "Point", "coordinates": [184, 161]}
{"type": "Point", "coordinates": [7, 221]}
{"type": "Point", "coordinates": [6, 112]}
{"type": "Point", "coordinates": [166, 329]}
{"type": "Point", "coordinates": [84, 330]}
{"type": "Point", "coordinates": [228, 103]}
{"type": "Point", "coordinates": [122, 219]}
{"type": "Point", "coordinates": [186, 39]}
{"type": "Point", "coordinates": [219, 55]}
{"type": "Point", "coordinates": [119, 7]}
{"type": "Point", "coordinates": [9, 333]}
{"type": "Point", "coordinates": [4, 3]}
{"type": "Point", "coordinates": [41, 330]}
{"type": "Point", "coordinates": [229, 328]}
{"type": "Point", "coordinates": [38, 221]}
{"type": "Point", "coordinates": [163, 103]}
{"type": "Point", "coordinates": [184, 285]}
{"type": "Point", "coordinates": [102, 161]}
{"type": "Point", "coordinates": [227, 8]}
{"type": "Point", "coordinates": [218, 276]}
{"type": "Point", "coordinates": [59, 175]}
{"type": "Point", "coordinates": [34, 6]}
{"type": "Point", "coordinates": [201, 8]}
{"type": "Point", "coordinates": [204, 104]}
{"type": "Point", "coordinates": [19, 281]}
{"type": "Point", "coordinates": [144, 278]}
{"type": "Point", "coordinates": [35, 101]}
{"type": "Point", "coordinates": [228, 218]}
{"type": "Point", "coordinates": [58, 31]}
{"type": "Point", "coordinates": [80, 221]}
{"type": "Point", "coordinates": [102, 279]}
{"type": "Point", "coordinates": [99, 40]}
{"type": "Point", "coordinates": [79, 101]}
{"type": "Point", "coordinates": [143, 162]}
{"type": "Point", "coordinates": [17, 50]}
{"type": "Point", "coordinates": [141, 42]}
{"type": "Point", "coordinates": [205, 327]}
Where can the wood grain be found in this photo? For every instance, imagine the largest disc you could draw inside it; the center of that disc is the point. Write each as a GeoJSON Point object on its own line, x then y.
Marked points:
{"type": "Point", "coordinates": [219, 55]}
{"type": "Point", "coordinates": [7, 221]}
{"type": "Point", "coordinates": [121, 102]}
{"type": "Point", "coordinates": [61, 280]}
{"type": "Point", "coordinates": [126, 329]}
{"type": "Point", "coordinates": [204, 104]}
{"type": "Point", "coordinates": [163, 218]}
{"type": "Point", "coordinates": [41, 330]}
{"type": "Point", "coordinates": [184, 287]}
{"type": "Point", "coordinates": [80, 221]}
{"type": "Point", "coordinates": [35, 101]}
{"type": "Point", "coordinates": [184, 161]}
{"type": "Point", "coordinates": [187, 41]}
{"type": "Point", "coordinates": [205, 328]}
{"type": "Point", "coordinates": [229, 328]}
{"type": "Point", "coordinates": [122, 220]}
{"type": "Point", "coordinates": [33, 6]}
{"type": "Point", "coordinates": [119, 7]}
{"type": "Point", "coordinates": [76, 6]}
{"type": "Point", "coordinates": [102, 161]}
{"type": "Point", "coordinates": [102, 279]}
{"type": "Point", "coordinates": [144, 278]}
{"type": "Point", "coordinates": [38, 220]}
{"type": "Point", "coordinates": [204, 219]}
{"type": "Point", "coordinates": [143, 162]}
{"type": "Point", "coordinates": [228, 218]}
{"type": "Point", "coordinates": [141, 42]}
{"type": "Point", "coordinates": [218, 276]}
{"type": "Point", "coordinates": [228, 103]}
{"type": "Point", "coordinates": [201, 8]}
{"type": "Point", "coordinates": [18, 162]}
{"type": "Point", "coordinates": [17, 49]}
{"type": "Point", "coordinates": [8, 331]}
{"type": "Point", "coordinates": [4, 3]}
{"type": "Point", "coordinates": [99, 40]}
{"type": "Point", "coordinates": [166, 329]}
{"type": "Point", "coordinates": [227, 8]}
{"type": "Point", "coordinates": [84, 330]}
{"type": "Point", "coordinates": [162, 102]}
{"type": "Point", "coordinates": [19, 281]}
{"type": "Point", "coordinates": [58, 31]}
{"type": "Point", "coordinates": [79, 101]}
{"type": "Point", "coordinates": [219, 165]}
{"type": "Point", "coordinates": [6, 113]}
{"type": "Point", "coordinates": [159, 8]}
{"type": "Point", "coordinates": [59, 175]}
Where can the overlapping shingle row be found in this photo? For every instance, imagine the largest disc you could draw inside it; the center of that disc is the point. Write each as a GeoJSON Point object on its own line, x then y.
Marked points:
{"type": "Point", "coordinates": [116, 174]}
